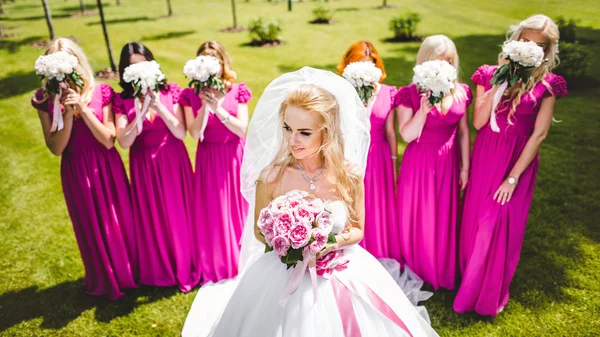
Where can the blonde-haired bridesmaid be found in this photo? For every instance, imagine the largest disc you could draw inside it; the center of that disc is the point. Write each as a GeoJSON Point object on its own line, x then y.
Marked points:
{"type": "Point", "coordinates": [435, 167]}
{"type": "Point", "coordinates": [93, 178]}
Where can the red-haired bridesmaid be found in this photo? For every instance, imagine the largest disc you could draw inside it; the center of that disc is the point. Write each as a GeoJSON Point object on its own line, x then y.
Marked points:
{"type": "Point", "coordinates": [161, 180]}
{"type": "Point", "coordinates": [220, 208]}
{"type": "Point", "coordinates": [380, 174]}
{"type": "Point", "coordinates": [93, 178]}
{"type": "Point", "coordinates": [505, 164]}
{"type": "Point", "coordinates": [435, 167]}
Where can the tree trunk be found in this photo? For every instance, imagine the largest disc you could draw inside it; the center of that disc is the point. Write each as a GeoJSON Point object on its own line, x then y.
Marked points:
{"type": "Point", "coordinates": [1, 7]}
{"type": "Point", "coordinates": [48, 19]}
{"type": "Point", "coordinates": [118, 2]}
{"type": "Point", "coordinates": [113, 67]}
{"type": "Point", "coordinates": [289, 5]}
{"type": "Point", "coordinates": [169, 7]}
{"type": "Point", "coordinates": [81, 5]}
{"type": "Point", "coordinates": [384, 3]}
{"type": "Point", "coordinates": [234, 13]}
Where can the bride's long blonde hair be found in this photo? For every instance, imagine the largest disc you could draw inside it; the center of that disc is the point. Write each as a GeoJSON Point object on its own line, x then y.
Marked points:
{"type": "Point", "coordinates": [549, 29]}
{"type": "Point", "coordinates": [320, 102]}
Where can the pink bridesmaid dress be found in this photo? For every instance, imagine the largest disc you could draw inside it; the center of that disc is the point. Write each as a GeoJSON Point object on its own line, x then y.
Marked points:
{"type": "Point", "coordinates": [491, 235]}
{"type": "Point", "coordinates": [220, 208]}
{"type": "Point", "coordinates": [163, 199]}
{"type": "Point", "coordinates": [96, 191]}
{"type": "Point", "coordinates": [380, 212]}
{"type": "Point", "coordinates": [428, 193]}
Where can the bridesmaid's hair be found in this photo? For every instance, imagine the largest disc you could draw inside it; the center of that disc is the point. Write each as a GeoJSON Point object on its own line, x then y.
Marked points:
{"type": "Point", "coordinates": [216, 49]}
{"type": "Point", "coordinates": [132, 48]}
{"type": "Point", "coordinates": [359, 50]}
{"type": "Point", "coordinates": [322, 104]}
{"type": "Point", "coordinates": [435, 46]}
{"type": "Point", "coordinates": [543, 24]}
{"type": "Point", "coordinates": [83, 68]}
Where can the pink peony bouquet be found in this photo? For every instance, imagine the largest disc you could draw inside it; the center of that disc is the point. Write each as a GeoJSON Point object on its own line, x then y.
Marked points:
{"type": "Point", "coordinates": [296, 225]}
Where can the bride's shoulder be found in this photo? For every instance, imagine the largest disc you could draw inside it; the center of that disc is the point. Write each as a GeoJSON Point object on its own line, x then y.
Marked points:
{"type": "Point", "coordinates": [269, 174]}
{"type": "Point", "coordinates": [353, 169]}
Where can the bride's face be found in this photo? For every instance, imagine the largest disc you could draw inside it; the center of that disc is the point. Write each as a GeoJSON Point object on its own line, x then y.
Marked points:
{"type": "Point", "coordinates": [302, 131]}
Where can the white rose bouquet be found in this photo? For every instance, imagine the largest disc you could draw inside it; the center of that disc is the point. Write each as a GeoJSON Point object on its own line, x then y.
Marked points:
{"type": "Point", "coordinates": [363, 76]}
{"type": "Point", "coordinates": [203, 73]}
{"type": "Point", "coordinates": [435, 76]}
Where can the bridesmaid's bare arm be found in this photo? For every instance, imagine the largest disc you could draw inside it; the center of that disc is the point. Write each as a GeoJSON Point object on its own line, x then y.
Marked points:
{"type": "Point", "coordinates": [483, 106]}
{"type": "Point", "coordinates": [540, 131]}
{"type": "Point", "coordinates": [56, 141]}
{"type": "Point", "coordinates": [125, 136]}
{"type": "Point", "coordinates": [237, 124]}
{"type": "Point", "coordinates": [390, 136]}
{"type": "Point", "coordinates": [409, 125]}
{"type": "Point", "coordinates": [194, 124]}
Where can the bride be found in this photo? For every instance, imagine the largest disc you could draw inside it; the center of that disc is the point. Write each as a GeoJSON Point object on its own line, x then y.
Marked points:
{"type": "Point", "coordinates": [309, 132]}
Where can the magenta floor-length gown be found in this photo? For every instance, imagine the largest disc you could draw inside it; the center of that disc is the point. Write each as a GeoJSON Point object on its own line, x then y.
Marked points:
{"type": "Point", "coordinates": [491, 234]}
{"type": "Point", "coordinates": [96, 191]}
{"type": "Point", "coordinates": [380, 208]}
{"type": "Point", "coordinates": [428, 193]}
{"type": "Point", "coordinates": [220, 206]}
{"type": "Point", "coordinates": [163, 199]}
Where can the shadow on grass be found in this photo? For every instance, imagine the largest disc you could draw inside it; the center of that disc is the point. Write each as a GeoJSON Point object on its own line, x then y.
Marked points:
{"type": "Point", "coordinates": [125, 20]}
{"type": "Point", "coordinates": [36, 17]}
{"type": "Point", "coordinates": [347, 9]}
{"type": "Point", "coordinates": [169, 35]}
{"type": "Point", "coordinates": [88, 7]}
{"type": "Point", "coordinates": [13, 46]}
{"type": "Point", "coordinates": [15, 84]}
{"type": "Point", "coordinates": [63, 303]}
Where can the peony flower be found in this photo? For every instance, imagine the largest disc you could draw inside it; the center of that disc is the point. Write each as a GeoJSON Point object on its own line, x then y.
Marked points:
{"type": "Point", "coordinates": [325, 221]}
{"type": "Point", "coordinates": [320, 240]}
{"type": "Point", "coordinates": [362, 76]}
{"type": "Point", "coordinates": [281, 244]}
{"type": "Point", "coordinates": [144, 76]}
{"type": "Point", "coordinates": [283, 223]}
{"type": "Point", "coordinates": [435, 76]}
{"type": "Point", "coordinates": [300, 235]}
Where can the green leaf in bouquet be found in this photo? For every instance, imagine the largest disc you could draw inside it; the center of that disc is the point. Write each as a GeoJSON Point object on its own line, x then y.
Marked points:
{"type": "Point", "coordinates": [500, 75]}
{"type": "Point", "coordinates": [52, 87]}
{"type": "Point", "coordinates": [76, 79]}
{"type": "Point", "coordinates": [513, 80]}
{"type": "Point", "coordinates": [136, 90]}
{"type": "Point", "coordinates": [435, 99]}
{"type": "Point", "coordinates": [331, 238]}
{"type": "Point", "coordinates": [268, 249]}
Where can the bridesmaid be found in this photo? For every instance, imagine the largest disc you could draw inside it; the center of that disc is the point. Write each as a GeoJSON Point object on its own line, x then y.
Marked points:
{"type": "Point", "coordinates": [435, 167]}
{"type": "Point", "coordinates": [221, 209]}
{"type": "Point", "coordinates": [93, 178]}
{"type": "Point", "coordinates": [161, 180]}
{"type": "Point", "coordinates": [505, 165]}
{"type": "Point", "coordinates": [380, 175]}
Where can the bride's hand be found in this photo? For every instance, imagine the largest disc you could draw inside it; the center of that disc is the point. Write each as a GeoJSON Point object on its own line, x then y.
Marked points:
{"type": "Point", "coordinates": [328, 249]}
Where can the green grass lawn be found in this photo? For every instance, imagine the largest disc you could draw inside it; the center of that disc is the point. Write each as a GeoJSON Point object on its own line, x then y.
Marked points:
{"type": "Point", "coordinates": [556, 290]}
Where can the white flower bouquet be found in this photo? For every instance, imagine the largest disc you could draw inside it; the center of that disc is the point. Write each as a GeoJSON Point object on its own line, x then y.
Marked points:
{"type": "Point", "coordinates": [523, 58]}
{"type": "Point", "coordinates": [435, 76]}
{"type": "Point", "coordinates": [363, 76]}
{"type": "Point", "coordinates": [203, 73]}
{"type": "Point", "coordinates": [144, 76]}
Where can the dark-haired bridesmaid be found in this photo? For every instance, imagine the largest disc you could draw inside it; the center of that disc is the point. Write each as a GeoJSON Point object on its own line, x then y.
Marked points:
{"type": "Point", "coordinates": [161, 179]}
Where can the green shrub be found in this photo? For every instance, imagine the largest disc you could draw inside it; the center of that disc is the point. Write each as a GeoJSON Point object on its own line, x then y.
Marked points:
{"type": "Point", "coordinates": [322, 14]}
{"type": "Point", "coordinates": [404, 27]}
{"type": "Point", "coordinates": [574, 60]}
{"type": "Point", "coordinates": [264, 31]}
{"type": "Point", "coordinates": [566, 28]}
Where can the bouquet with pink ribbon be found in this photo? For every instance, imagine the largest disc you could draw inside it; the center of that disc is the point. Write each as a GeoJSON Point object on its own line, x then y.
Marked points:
{"type": "Point", "coordinates": [296, 226]}
{"type": "Point", "coordinates": [523, 58]}
{"type": "Point", "coordinates": [59, 70]}
{"type": "Point", "coordinates": [144, 76]}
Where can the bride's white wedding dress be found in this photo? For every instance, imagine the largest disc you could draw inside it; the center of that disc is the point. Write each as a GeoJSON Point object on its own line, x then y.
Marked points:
{"type": "Point", "coordinates": [360, 300]}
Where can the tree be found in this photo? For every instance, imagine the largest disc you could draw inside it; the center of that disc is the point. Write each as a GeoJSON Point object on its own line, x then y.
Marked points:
{"type": "Point", "coordinates": [169, 7]}
{"type": "Point", "coordinates": [233, 12]}
{"type": "Point", "coordinates": [48, 19]}
{"type": "Point", "coordinates": [113, 67]}
{"type": "Point", "coordinates": [289, 5]}
{"type": "Point", "coordinates": [2, 7]}
{"type": "Point", "coordinates": [81, 6]}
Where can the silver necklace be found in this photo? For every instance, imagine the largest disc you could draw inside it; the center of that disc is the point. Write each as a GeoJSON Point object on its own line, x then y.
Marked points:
{"type": "Point", "coordinates": [312, 181]}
